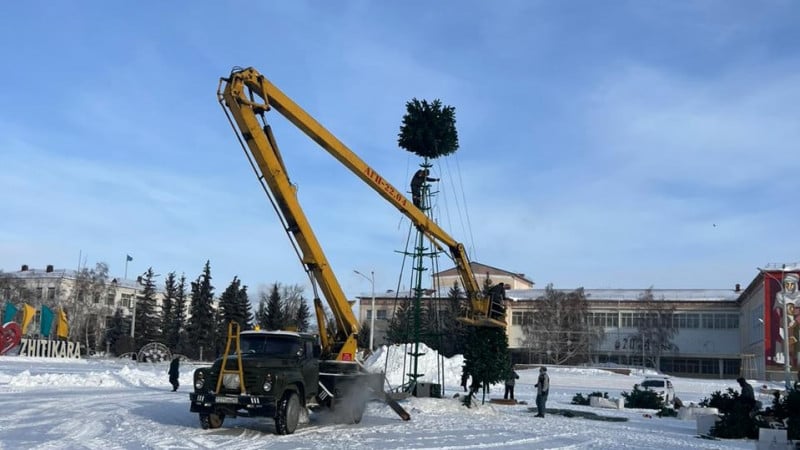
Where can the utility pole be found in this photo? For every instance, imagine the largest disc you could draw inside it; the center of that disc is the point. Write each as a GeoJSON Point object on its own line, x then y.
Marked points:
{"type": "Point", "coordinates": [371, 279]}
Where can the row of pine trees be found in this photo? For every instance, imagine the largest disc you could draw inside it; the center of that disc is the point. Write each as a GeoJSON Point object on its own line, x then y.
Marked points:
{"type": "Point", "coordinates": [188, 323]}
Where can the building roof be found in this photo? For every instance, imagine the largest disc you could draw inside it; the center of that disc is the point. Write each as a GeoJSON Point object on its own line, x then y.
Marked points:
{"type": "Point", "coordinates": [72, 274]}
{"type": "Point", "coordinates": [482, 269]}
{"type": "Point", "coordinates": [628, 295]}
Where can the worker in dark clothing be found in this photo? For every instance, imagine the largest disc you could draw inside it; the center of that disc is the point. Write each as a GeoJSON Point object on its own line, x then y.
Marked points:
{"type": "Point", "coordinates": [510, 382]}
{"type": "Point", "coordinates": [464, 378]}
{"type": "Point", "coordinates": [174, 373]}
{"type": "Point", "coordinates": [747, 397]}
{"type": "Point", "coordinates": [420, 177]}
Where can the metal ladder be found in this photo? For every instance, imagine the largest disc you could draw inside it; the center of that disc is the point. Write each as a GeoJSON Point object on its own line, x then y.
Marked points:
{"type": "Point", "coordinates": [233, 335]}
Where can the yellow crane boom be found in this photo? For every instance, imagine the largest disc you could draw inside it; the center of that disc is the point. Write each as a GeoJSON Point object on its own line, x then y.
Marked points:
{"type": "Point", "coordinates": [246, 95]}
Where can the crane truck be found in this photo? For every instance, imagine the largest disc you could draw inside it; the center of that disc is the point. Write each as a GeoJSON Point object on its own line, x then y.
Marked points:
{"type": "Point", "coordinates": [281, 374]}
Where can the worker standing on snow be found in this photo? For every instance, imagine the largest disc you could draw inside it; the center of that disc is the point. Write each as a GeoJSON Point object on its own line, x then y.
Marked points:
{"type": "Point", "coordinates": [542, 389]}
{"type": "Point", "coordinates": [464, 377]}
{"type": "Point", "coordinates": [510, 382]}
{"type": "Point", "coordinates": [174, 373]}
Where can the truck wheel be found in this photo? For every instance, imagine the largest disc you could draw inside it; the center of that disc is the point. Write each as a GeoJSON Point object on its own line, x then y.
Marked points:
{"type": "Point", "coordinates": [358, 412]}
{"type": "Point", "coordinates": [211, 420]}
{"type": "Point", "coordinates": [349, 411]}
{"type": "Point", "coordinates": [288, 415]}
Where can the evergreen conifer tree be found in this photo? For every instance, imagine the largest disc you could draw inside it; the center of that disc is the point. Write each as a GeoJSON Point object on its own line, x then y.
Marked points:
{"type": "Point", "coordinates": [399, 329]}
{"type": "Point", "coordinates": [169, 312]}
{"type": "Point", "coordinates": [261, 313]}
{"type": "Point", "coordinates": [456, 332]}
{"type": "Point", "coordinates": [303, 316]}
{"type": "Point", "coordinates": [200, 327]}
{"type": "Point", "coordinates": [486, 356]}
{"type": "Point", "coordinates": [363, 335]}
{"type": "Point", "coordinates": [243, 309]}
{"type": "Point", "coordinates": [275, 319]}
{"type": "Point", "coordinates": [228, 310]}
{"type": "Point", "coordinates": [148, 323]}
{"type": "Point", "coordinates": [180, 315]}
{"type": "Point", "coordinates": [117, 330]}
{"type": "Point", "coordinates": [428, 129]}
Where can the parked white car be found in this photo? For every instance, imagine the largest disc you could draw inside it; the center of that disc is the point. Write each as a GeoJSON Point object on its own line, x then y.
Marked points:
{"type": "Point", "coordinates": [660, 384]}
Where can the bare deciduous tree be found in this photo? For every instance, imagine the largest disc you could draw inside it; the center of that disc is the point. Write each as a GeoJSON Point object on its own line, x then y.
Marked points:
{"type": "Point", "coordinates": [87, 304]}
{"type": "Point", "coordinates": [557, 330]}
{"type": "Point", "coordinates": [655, 328]}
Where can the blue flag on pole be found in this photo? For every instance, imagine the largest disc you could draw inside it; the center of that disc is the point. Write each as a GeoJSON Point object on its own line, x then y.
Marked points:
{"type": "Point", "coordinates": [47, 321]}
{"type": "Point", "coordinates": [128, 258]}
{"type": "Point", "coordinates": [11, 312]}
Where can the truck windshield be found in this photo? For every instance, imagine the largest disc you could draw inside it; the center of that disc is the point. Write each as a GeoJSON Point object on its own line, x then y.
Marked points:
{"type": "Point", "coordinates": [270, 345]}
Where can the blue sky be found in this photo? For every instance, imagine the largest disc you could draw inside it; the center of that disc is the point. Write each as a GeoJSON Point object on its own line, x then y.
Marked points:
{"type": "Point", "coordinates": [602, 144]}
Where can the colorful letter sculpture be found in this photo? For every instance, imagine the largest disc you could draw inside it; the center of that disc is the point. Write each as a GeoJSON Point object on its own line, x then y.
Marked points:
{"type": "Point", "coordinates": [10, 337]}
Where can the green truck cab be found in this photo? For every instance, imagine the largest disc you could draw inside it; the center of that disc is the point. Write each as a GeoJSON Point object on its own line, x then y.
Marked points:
{"type": "Point", "coordinates": [283, 377]}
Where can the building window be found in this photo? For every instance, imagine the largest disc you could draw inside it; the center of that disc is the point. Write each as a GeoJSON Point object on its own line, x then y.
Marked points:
{"type": "Point", "coordinates": [516, 318]}
{"type": "Point", "coordinates": [692, 321]}
{"type": "Point", "coordinates": [733, 321]}
{"type": "Point", "coordinates": [709, 366]}
{"type": "Point", "coordinates": [369, 314]}
{"type": "Point", "coordinates": [627, 320]}
{"type": "Point", "coordinates": [719, 321]}
{"type": "Point", "coordinates": [527, 318]}
{"type": "Point", "coordinates": [381, 315]}
{"type": "Point", "coordinates": [40, 293]}
{"type": "Point", "coordinates": [125, 300]}
{"type": "Point", "coordinates": [51, 293]}
{"type": "Point", "coordinates": [708, 321]}
{"type": "Point", "coordinates": [110, 298]}
{"type": "Point", "coordinates": [730, 366]}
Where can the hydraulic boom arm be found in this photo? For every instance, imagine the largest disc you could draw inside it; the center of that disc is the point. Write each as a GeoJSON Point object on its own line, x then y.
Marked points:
{"type": "Point", "coordinates": [247, 94]}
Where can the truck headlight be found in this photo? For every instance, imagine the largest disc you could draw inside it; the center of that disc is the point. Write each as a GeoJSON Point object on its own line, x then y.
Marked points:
{"type": "Point", "coordinates": [199, 380]}
{"type": "Point", "coordinates": [231, 380]}
{"type": "Point", "coordinates": [268, 383]}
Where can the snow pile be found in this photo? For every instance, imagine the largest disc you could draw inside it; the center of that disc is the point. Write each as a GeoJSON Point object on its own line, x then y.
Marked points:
{"type": "Point", "coordinates": [433, 368]}
{"type": "Point", "coordinates": [91, 379]}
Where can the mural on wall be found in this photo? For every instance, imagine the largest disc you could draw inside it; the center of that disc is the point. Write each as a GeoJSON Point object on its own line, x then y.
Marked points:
{"type": "Point", "coordinates": [782, 296]}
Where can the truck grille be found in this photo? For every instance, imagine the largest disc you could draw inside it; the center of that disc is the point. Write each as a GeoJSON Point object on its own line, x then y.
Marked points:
{"type": "Point", "coordinates": [253, 383]}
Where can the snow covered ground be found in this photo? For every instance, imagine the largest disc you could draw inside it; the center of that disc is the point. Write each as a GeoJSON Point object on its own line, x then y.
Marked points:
{"type": "Point", "coordinates": [119, 404]}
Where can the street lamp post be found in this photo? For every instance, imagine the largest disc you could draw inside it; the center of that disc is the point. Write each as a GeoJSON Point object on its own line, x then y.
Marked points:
{"type": "Point", "coordinates": [133, 313]}
{"type": "Point", "coordinates": [371, 279]}
{"type": "Point", "coordinates": [133, 306]}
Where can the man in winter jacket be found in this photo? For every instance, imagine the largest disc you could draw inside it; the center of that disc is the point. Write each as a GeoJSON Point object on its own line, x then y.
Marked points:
{"type": "Point", "coordinates": [174, 373]}
{"type": "Point", "coordinates": [510, 381]}
{"type": "Point", "coordinates": [542, 389]}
